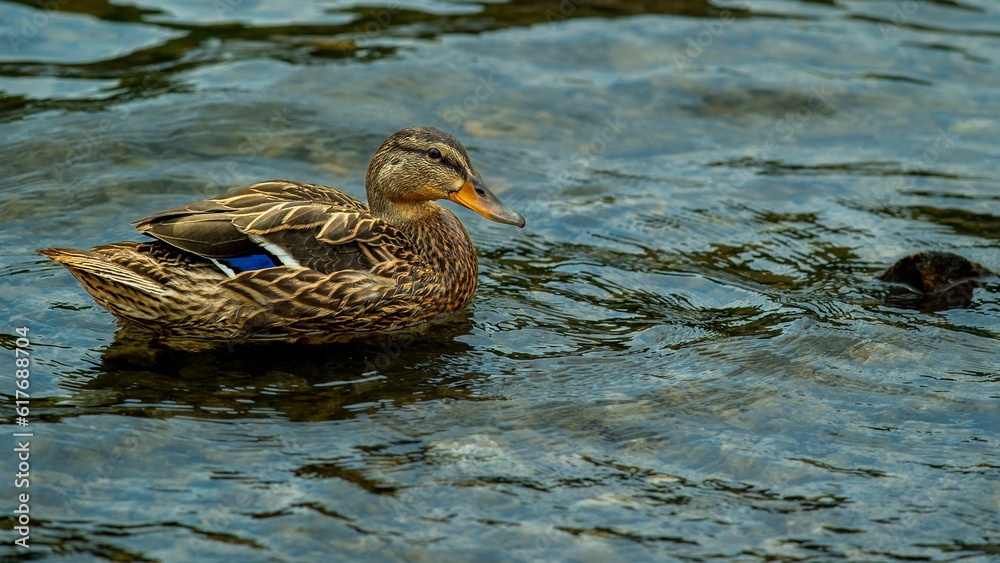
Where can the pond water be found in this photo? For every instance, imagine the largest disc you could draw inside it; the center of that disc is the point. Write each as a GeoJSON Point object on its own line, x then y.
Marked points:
{"type": "Point", "coordinates": [681, 356]}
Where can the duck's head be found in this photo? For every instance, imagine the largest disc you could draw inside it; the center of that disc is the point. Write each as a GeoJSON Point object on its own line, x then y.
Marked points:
{"type": "Point", "coordinates": [417, 165]}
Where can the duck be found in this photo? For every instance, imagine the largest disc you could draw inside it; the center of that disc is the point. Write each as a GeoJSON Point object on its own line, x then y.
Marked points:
{"type": "Point", "coordinates": [282, 258]}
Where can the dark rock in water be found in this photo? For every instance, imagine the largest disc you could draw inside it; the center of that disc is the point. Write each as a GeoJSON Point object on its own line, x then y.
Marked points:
{"type": "Point", "coordinates": [944, 279]}
{"type": "Point", "coordinates": [934, 271]}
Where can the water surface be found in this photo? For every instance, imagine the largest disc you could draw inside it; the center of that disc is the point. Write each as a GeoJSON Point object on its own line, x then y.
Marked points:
{"type": "Point", "coordinates": [681, 356]}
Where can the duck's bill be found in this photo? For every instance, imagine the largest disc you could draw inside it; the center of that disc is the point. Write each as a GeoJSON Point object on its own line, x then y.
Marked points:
{"type": "Point", "coordinates": [476, 196]}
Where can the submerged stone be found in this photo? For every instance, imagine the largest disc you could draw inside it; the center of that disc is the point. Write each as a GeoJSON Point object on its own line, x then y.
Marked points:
{"type": "Point", "coordinates": [943, 277]}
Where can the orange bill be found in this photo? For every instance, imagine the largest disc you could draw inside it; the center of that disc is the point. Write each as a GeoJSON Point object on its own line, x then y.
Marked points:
{"type": "Point", "coordinates": [476, 196]}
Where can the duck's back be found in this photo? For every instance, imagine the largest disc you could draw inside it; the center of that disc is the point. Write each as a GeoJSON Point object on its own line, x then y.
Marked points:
{"type": "Point", "coordinates": [281, 223]}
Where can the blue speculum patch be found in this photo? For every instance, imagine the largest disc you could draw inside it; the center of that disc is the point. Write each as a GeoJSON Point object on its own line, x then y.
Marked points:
{"type": "Point", "coordinates": [251, 262]}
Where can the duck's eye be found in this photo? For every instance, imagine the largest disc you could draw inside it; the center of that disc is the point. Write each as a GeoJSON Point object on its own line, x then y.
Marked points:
{"type": "Point", "coordinates": [434, 153]}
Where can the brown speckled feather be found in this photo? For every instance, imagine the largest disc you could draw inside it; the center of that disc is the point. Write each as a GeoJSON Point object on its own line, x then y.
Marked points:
{"type": "Point", "coordinates": [234, 224]}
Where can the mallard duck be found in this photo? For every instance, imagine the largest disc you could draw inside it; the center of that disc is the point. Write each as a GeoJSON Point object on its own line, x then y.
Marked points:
{"type": "Point", "coordinates": [281, 258]}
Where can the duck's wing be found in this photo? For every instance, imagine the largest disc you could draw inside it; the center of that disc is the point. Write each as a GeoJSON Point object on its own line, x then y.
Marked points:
{"type": "Point", "coordinates": [278, 223]}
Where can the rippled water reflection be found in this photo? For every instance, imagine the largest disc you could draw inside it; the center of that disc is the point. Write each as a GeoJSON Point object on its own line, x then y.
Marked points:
{"type": "Point", "coordinates": [682, 355]}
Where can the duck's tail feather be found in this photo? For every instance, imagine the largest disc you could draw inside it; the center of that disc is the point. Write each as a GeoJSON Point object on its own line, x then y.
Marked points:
{"type": "Point", "coordinates": [151, 285]}
{"type": "Point", "coordinates": [95, 271]}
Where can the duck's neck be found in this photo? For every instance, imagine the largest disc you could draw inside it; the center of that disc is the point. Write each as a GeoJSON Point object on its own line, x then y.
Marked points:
{"type": "Point", "coordinates": [443, 245]}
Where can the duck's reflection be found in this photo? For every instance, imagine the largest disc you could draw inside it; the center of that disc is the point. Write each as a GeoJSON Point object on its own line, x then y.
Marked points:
{"type": "Point", "coordinates": [298, 381]}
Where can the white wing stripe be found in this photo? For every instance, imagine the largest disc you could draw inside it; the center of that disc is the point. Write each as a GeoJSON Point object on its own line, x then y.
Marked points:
{"type": "Point", "coordinates": [276, 251]}
{"type": "Point", "coordinates": [226, 269]}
